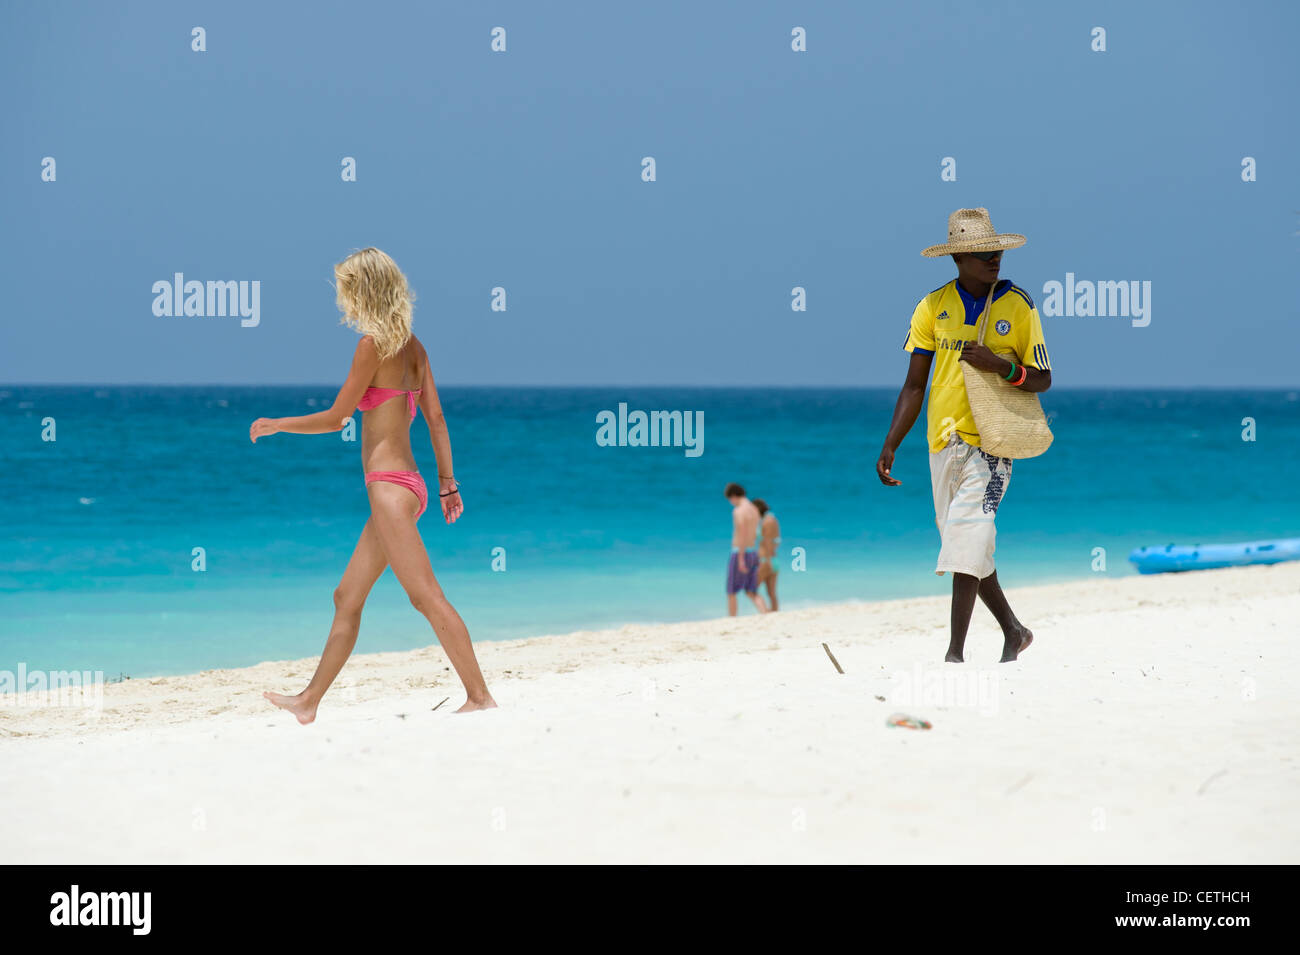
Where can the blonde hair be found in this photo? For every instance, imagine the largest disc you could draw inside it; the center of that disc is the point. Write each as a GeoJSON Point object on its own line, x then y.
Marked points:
{"type": "Point", "coordinates": [375, 299]}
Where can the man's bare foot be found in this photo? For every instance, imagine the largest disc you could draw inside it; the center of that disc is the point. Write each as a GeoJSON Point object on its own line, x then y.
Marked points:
{"type": "Point", "coordinates": [953, 658]}
{"type": "Point", "coordinates": [471, 705]}
{"type": "Point", "coordinates": [298, 705]}
{"type": "Point", "coordinates": [1015, 643]}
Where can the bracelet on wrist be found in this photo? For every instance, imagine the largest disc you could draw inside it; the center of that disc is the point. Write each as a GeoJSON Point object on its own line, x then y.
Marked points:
{"type": "Point", "coordinates": [1012, 373]}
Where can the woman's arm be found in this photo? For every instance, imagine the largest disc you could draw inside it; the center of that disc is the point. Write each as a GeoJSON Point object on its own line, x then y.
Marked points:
{"type": "Point", "coordinates": [364, 363]}
{"type": "Point", "coordinates": [431, 408]}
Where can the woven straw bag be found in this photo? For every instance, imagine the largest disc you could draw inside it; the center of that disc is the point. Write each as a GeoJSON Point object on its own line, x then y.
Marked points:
{"type": "Point", "coordinates": [1010, 420]}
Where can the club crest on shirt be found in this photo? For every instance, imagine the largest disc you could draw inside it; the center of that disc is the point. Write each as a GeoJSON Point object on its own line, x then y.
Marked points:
{"type": "Point", "coordinates": [1003, 326]}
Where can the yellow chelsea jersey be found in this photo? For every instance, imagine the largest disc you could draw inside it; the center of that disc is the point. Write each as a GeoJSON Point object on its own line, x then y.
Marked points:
{"type": "Point", "coordinates": [946, 318]}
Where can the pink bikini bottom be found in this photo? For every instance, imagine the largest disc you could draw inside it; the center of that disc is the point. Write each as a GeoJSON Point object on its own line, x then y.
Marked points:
{"type": "Point", "coordinates": [410, 480]}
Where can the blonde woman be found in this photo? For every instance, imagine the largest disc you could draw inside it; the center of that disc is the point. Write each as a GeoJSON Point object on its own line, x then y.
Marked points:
{"type": "Point", "coordinates": [389, 380]}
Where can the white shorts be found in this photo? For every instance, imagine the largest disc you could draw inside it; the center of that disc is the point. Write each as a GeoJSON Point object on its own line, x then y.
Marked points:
{"type": "Point", "coordinates": [968, 487]}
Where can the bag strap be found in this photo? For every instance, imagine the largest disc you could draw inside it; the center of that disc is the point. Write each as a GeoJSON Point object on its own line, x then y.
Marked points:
{"type": "Point", "coordinates": [988, 304]}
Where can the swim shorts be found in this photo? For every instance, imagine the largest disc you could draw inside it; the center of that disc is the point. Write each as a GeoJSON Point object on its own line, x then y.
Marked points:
{"type": "Point", "coordinates": [746, 580]}
{"type": "Point", "coordinates": [968, 487]}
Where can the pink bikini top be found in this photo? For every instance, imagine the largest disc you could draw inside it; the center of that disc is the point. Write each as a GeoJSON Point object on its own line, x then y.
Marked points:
{"type": "Point", "coordinates": [374, 397]}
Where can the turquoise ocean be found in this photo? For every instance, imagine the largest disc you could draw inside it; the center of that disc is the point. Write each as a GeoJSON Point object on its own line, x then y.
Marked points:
{"type": "Point", "coordinates": [101, 524]}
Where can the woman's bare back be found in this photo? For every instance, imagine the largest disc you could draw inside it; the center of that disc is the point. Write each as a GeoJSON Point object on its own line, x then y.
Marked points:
{"type": "Point", "coordinates": [386, 429]}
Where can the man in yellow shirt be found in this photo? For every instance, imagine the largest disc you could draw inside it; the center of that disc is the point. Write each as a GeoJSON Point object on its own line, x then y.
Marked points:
{"type": "Point", "coordinates": [968, 483]}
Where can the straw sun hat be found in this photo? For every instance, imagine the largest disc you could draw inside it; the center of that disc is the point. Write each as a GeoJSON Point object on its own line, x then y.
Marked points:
{"type": "Point", "coordinates": [971, 230]}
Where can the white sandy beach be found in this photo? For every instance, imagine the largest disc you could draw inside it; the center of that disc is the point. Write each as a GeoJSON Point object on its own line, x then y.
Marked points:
{"type": "Point", "coordinates": [1153, 721]}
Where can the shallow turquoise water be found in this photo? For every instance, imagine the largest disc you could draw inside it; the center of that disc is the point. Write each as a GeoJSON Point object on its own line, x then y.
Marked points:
{"type": "Point", "coordinates": [95, 563]}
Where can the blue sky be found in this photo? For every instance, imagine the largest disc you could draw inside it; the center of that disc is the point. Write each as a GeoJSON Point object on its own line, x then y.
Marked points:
{"type": "Point", "coordinates": [522, 169]}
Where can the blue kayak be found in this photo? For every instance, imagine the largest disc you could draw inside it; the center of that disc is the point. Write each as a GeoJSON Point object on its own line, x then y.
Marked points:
{"type": "Point", "coordinates": [1173, 557]}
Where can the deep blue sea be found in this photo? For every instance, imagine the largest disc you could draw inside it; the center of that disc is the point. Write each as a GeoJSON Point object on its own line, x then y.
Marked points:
{"type": "Point", "coordinates": [100, 524]}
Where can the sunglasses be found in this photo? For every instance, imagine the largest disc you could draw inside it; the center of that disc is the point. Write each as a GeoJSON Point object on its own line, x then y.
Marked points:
{"type": "Point", "coordinates": [986, 256]}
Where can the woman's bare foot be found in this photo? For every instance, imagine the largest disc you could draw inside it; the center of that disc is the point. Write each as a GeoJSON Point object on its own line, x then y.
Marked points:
{"type": "Point", "coordinates": [1015, 643]}
{"type": "Point", "coordinates": [299, 705]}
{"type": "Point", "coordinates": [487, 703]}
